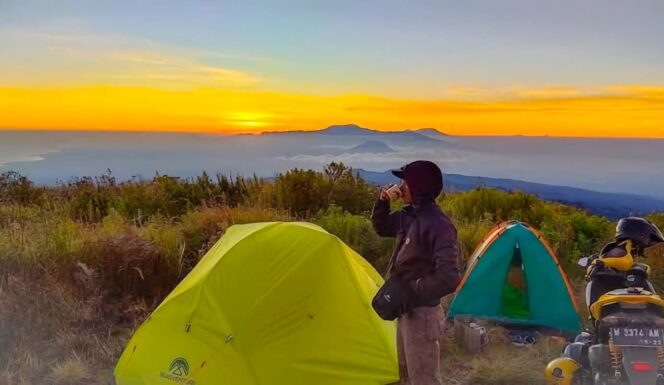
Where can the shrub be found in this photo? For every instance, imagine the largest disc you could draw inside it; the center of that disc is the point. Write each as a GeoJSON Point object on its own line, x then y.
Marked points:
{"type": "Point", "coordinates": [138, 201]}
{"type": "Point", "coordinates": [17, 188]}
{"type": "Point", "coordinates": [570, 231]}
{"type": "Point", "coordinates": [199, 228]}
{"type": "Point", "coordinates": [91, 198]}
{"type": "Point", "coordinates": [305, 192]}
{"type": "Point", "coordinates": [470, 235]}
{"type": "Point", "coordinates": [131, 265]}
{"type": "Point", "coordinates": [251, 214]}
{"type": "Point", "coordinates": [358, 233]}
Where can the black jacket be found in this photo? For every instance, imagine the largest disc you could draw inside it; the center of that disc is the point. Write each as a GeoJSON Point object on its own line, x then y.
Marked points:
{"type": "Point", "coordinates": [426, 253]}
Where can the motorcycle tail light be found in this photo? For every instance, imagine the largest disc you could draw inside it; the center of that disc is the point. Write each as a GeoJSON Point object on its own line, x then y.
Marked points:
{"type": "Point", "coordinates": [641, 366]}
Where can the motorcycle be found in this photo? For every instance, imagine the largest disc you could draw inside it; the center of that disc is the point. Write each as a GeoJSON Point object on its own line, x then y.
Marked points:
{"type": "Point", "coordinates": [627, 345]}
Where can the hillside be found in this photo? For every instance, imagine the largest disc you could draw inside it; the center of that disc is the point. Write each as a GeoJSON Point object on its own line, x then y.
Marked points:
{"type": "Point", "coordinates": [610, 205]}
{"type": "Point", "coordinates": [86, 262]}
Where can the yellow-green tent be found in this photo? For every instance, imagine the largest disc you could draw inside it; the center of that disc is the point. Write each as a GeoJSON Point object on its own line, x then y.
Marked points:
{"type": "Point", "coordinates": [269, 304]}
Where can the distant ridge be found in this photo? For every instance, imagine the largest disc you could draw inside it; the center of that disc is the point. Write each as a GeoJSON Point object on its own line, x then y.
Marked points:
{"type": "Point", "coordinates": [346, 129]}
{"type": "Point", "coordinates": [610, 205]}
{"type": "Point", "coordinates": [337, 129]}
{"type": "Point", "coordinates": [432, 133]}
{"type": "Point", "coordinates": [371, 147]}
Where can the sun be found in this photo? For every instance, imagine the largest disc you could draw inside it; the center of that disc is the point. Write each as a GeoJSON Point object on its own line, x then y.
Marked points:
{"type": "Point", "coordinates": [248, 119]}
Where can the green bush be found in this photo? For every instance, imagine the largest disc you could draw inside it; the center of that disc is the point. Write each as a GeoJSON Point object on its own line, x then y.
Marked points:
{"type": "Point", "coordinates": [358, 233]}
{"type": "Point", "coordinates": [571, 232]}
{"type": "Point", "coordinates": [91, 198]}
{"type": "Point", "coordinates": [305, 192]}
{"type": "Point", "coordinates": [470, 235]}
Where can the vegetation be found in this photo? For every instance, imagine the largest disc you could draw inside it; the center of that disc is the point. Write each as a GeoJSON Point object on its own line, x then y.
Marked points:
{"type": "Point", "coordinates": [84, 262]}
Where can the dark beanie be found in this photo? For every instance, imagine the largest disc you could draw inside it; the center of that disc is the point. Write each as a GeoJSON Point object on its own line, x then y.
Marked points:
{"type": "Point", "coordinates": [424, 178]}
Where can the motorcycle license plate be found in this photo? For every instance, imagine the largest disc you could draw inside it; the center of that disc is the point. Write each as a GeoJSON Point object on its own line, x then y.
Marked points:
{"type": "Point", "coordinates": [626, 336]}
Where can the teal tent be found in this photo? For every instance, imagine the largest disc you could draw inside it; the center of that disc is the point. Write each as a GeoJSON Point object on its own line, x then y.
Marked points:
{"type": "Point", "coordinates": [514, 277]}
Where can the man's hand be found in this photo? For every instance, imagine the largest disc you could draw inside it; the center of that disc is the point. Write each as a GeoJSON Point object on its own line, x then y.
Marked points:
{"type": "Point", "coordinates": [390, 192]}
{"type": "Point", "coordinates": [384, 196]}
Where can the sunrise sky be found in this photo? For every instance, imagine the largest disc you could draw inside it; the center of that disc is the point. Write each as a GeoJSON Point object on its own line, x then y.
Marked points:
{"type": "Point", "coordinates": [474, 67]}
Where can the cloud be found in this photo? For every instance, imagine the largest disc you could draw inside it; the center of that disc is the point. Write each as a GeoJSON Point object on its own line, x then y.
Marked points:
{"type": "Point", "coordinates": [382, 160]}
{"type": "Point", "coordinates": [148, 58]}
{"type": "Point", "coordinates": [147, 64]}
{"type": "Point", "coordinates": [647, 91]}
{"type": "Point", "coordinates": [226, 75]}
{"type": "Point", "coordinates": [496, 93]}
{"type": "Point", "coordinates": [92, 59]}
{"type": "Point", "coordinates": [549, 92]}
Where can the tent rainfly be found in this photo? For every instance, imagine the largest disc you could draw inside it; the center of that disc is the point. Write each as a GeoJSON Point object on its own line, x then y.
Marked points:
{"type": "Point", "coordinates": [269, 304]}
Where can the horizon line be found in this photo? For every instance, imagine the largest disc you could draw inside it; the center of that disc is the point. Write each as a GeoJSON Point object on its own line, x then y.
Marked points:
{"type": "Point", "coordinates": [233, 132]}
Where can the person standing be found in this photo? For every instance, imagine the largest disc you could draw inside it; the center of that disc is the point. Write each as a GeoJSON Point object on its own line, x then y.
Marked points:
{"type": "Point", "coordinates": [425, 258]}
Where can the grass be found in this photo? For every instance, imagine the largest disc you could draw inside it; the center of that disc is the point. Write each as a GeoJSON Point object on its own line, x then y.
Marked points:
{"type": "Point", "coordinates": [500, 363]}
{"type": "Point", "coordinates": [50, 335]}
{"type": "Point", "coordinates": [506, 367]}
{"type": "Point", "coordinates": [509, 365]}
{"type": "Point", "coordinates": [70, 371]}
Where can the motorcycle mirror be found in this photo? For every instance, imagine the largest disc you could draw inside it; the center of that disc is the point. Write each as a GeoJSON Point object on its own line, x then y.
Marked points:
{"type": "Point", "coordinates": [583, 262]}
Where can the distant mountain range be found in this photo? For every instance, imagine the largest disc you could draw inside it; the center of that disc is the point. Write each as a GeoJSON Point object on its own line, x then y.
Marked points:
{"type": "Point", "coordinates": [353, 130]}
{"type": "Point", "coordinates": [610, 205]}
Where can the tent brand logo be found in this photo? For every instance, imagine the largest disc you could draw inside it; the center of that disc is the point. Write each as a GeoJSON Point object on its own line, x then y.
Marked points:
{"type": "Point", "coordinates": [178, 372]}
{"type": "Point", "coordinates": [179, 367]}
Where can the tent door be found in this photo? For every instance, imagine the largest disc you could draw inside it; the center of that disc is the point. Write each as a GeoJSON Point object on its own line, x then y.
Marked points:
{"type": "Point", "coordinates": [514, 298]}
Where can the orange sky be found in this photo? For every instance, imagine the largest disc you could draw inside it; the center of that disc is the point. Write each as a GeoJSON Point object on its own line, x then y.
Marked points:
{"type": "Point", "coordinates": [620, 111]}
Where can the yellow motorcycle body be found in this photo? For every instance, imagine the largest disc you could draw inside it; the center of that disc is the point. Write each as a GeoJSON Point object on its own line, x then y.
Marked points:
{"type": "Point", "coordinates": [627, 346]}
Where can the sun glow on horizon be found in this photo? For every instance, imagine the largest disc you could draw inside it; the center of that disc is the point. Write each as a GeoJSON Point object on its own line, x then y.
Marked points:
{"type": "Point", "coordinates": [622, 111]}
{"type": "Point", "coordinates": [250, 120]}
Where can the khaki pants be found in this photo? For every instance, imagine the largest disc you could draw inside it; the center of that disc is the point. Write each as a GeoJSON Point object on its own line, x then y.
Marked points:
{"type": "Point", "coordinates": [418, 342]}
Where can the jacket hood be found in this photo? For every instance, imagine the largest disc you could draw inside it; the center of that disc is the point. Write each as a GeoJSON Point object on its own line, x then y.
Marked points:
{"type": "Point", "coordinates": [424, 179]}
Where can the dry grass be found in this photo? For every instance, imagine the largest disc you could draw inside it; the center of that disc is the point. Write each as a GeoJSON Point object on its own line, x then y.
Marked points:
{"type": "Point", "coordinates": [49, 335]}
{"type": "Point", "coordinates": [506, 366]}
{"type": "Point", "coordinates": [70, 371]}
{"type": "Point", "coordinates": [501, 363]}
